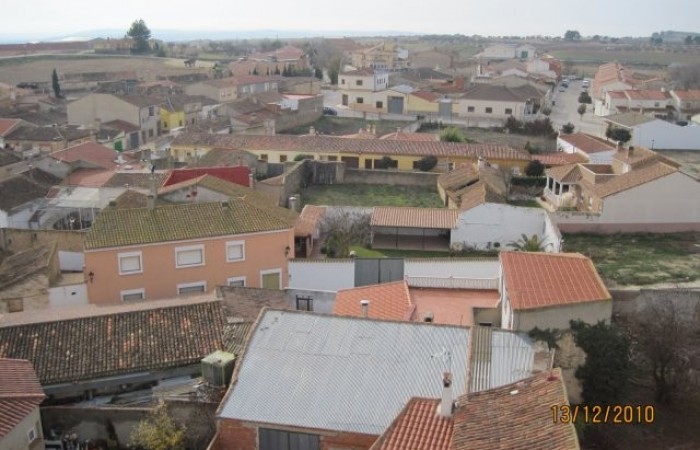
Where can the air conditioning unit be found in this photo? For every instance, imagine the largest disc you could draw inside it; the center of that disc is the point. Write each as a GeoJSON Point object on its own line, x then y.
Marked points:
{"type": "Point", "coordinates": [217, 368]}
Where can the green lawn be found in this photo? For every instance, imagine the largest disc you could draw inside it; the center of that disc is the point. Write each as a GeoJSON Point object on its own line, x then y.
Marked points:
{"type": "Point", "coordinates": [641, 259]}
{"type": "Point", "coordinates": [371, 195]}
{"type": "Point", "coordinates": [364, 252]}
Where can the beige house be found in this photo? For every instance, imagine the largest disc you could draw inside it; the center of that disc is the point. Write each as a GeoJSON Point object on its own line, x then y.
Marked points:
{"type": "Point", "coordinates": [167, 251]}
{"type": "Point", "coordinates": [385, 55]}
{"type": "Point", "coordinates": [20, 397]}
{"type": "Point", "coordinates": [491, 104]}
{"type": "Point", "coordinates": [362, 88]}
{"type": "Point", "coordinates": [639, 191]}
{"type": "Point", "coordinates": [537, 291]}
{"type": "Point", "coordinates": [140, 111]}
{"type": "Point", "coordinates": [228, 89]}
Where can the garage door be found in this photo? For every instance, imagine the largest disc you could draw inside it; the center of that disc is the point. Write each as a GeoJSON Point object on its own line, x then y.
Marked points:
{"type": "Point", "coordinates": [395, 105]}
{"type": "Point", "coordinates": [271, 280]}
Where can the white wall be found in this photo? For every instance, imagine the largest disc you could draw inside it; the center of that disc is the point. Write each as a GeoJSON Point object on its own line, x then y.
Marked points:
{"type": "Point", "coordinates": [498, 223]}
{"type": "Point", "coordinates": [322, 275]}
{"type": "Point", "coordinates": [481, 268]}
{"type": "Point", "coordinates": [71, 261]}
{"type": "Point", "coordinates": [560, 316]}
{"type": "Point", "coordinates": [71, 295]}
{"type": "Point", "coordinates": [663, 135]}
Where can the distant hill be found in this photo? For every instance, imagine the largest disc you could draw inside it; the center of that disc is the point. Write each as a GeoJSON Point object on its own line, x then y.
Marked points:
{"type": "Point", "coordinates": [675, 36]}
{"type": "Point", "coordinates": [180, 36]}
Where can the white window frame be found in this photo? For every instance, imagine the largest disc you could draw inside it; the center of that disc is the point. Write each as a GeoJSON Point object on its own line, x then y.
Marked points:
{"type": "Point", "coordinates": [122, 256]}
{"type": "Point", "coordinates": [127, 292]}
{"type": "Point", "coordinates": [268, 272]}
{"type": "Point", "coordinates": [236, 279]}
{"type": "Point", "coordinates": [189, 285]}
{"type": "Point", "coordinates": [189, 248]}
{"type": "Point", "coordinates": [235, 244]}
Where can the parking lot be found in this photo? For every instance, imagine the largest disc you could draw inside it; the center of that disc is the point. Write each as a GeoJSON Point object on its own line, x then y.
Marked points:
{"type": "Point", "coordinates": [565, 110]}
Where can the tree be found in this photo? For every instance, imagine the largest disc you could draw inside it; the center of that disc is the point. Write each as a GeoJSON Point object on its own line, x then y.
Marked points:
{"type": "Point", "coordinates": [572, 35]}
{"type": "Point", "coordinates": [334, 67]}
{"type": "Point", "coordinates": [427, 163]}
{"type": "Point", "coordinates": [56, 86]}
{"type": "Point", "coordinates": [159, 432]}
{"type": "Point", "coordinates": [139, 34]}
{"type": "Point", "coordinates": [688, 40]}
{"type": "Point", "coordinates": [666, 343]}
{"type": "Point", "coordinates": [620, 135]}
{"type": "Point", "coordinates": [452, 134]}
{"type": "Point", "coordinates": [344, 227]}
{"type": "Point", "coordinates": [546, 110]}
{"type": "Point", "coordinates": [581, 110]}
{"type": "Point", "coordinates": [385, 163]}
{"type": "Point", "coordinates": [584, 97]}
{"type": "Point", "coordinates": [534, 168]}
{"type": "Point", "coordinates": [686, 76]}
{"type": "Point", "coordinates": [568, 128]}
{"type": "Point", "coordinates": [696, 39]}
{"type": "Point", "coordinates": [607, 369]}
{"type": "Point", "coordinates": [318, 73]}
{"type": "Point", "coordinates": [527, 244]}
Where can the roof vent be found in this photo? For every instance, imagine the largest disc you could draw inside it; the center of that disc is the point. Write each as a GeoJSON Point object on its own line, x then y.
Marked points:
{"type": "Point", "coordinates": [428, 317]}
{"type": "Point", "coordinates": [365, 307]}
{"type": "Point", "coordinates": [224, 205]}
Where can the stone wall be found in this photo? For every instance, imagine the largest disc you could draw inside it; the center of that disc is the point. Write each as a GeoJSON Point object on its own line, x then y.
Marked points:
{"type": "Point", "coordinates": [15, 239]}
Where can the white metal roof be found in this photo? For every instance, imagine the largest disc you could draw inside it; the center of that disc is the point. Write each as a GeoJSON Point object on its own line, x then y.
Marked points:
{"type": "Point", "coordinates": [352, 374]}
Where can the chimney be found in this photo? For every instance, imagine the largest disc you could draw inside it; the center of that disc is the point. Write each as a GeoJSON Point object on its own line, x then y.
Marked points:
{"type": "Point", "coordinates": [398, 131]}
{"type": "Point", "coordinates": [630, 151]}
{"type": "Point", "coordinates": [445, 408]}
{"type": "Point", "coordinates": [481, 163]}
{"type": "Point", "coordinates": [251, 180]}
{"type": "Point", "coordinates": [312, 131]}
{"type": "Point", "coordinates": [365, 307]}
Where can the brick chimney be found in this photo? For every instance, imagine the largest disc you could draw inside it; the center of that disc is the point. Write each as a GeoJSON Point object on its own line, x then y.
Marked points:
{"type": "Point", "coordinates": [364, 304]}
{"type": "Point", "coordinates": [445, 408]}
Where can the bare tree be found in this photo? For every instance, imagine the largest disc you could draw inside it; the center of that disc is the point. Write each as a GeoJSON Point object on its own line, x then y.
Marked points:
{"type": "Point", "coordinates": [345, 227]}
{"type": "Point", "coordinates": [666, 342]}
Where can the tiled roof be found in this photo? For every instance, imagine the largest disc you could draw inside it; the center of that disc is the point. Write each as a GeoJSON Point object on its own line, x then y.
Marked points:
{"type": "Point", "coordinates": [401, 136]}
{"type": "Point", "coordinates": [587, 143]}
{"type": "Point", "coordinates": [133, 199]}
{"type": "Point", "coordinates": [565, 174]}
{"type": "Point", "coordinates": [646, 94]}
{"type": "Point", "coordinates": [88, 177]}
{"type": "Point", "coordinates": [540, 280]}
{"type": "Point", "coordinates": [138, 180]}
{"type": "Point", "coordinates": [17, 267]}
{"type": "Point", "coordinates": [224, 157]}
{"type": "Point", "coordinates": [426, 95]}
{"type": "Point", "coordinates": [122, 227]}
{"type": "Point", "coordinates": [239, 175]}
{"type": "Point", "coordinates": [434, 218]}
{"type": "Point", "coordinates": [390, 301]}
{"type": "Point", "coordinates": [121, 125]}
{"type": "Point", "coordinates": [25, 187]}
{"type": "Point", "coordinates": [320, 144]}
{"type": "Point", "coordinates": [309, 220]}
{"type": "Point", "coordinates": [689, 95]}
{"type": "Point", "coordinates": [46, 134]}
{"type": "Point", "coordinates": [20, 393]}
{"type": "Point", "coordinates": [559, 158]}
{"type": "Point", "coordinates": [617, 94]}
{"type": "Point", "coordinates": [628, 119]}
{"type": "Point", "coordinates": [359, 72]}
{"type": "Point", "coordinates": [141, 101]}
{"type": "Point", "coordinates": [459, 177]}
{"type": "Point", "coordinates": [417, 427]}
{"type": "Point", "coordinates": [633, 178]}
{"type": "Point", "coordinates": [501, 93]}
{"type": "Point", "coordinates": [8, 157]}
{"type": "Point", "coordinates": [515, 416]}
{"type": "Point", "coordinates": [90, 152]}
{"type": "Point", "coordinates": [477, 194]}
{"type": "Point", "coordinates": [245, 303]}
{"type": "Point", "coordinates": [104, 345]}
{"type": "Point", "coordinates": [6, 125]}
{"type": "Point", "coordinates": [236, 81]}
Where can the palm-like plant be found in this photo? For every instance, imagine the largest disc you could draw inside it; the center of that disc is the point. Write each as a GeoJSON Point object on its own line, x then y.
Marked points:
{"type": "Point", "coordinates": [527, 244]}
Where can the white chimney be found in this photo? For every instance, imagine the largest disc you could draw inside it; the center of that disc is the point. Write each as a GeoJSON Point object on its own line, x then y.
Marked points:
{"type": "Point", "coordinates": [251, 180]}
{"type": "Point", "coordinates": [365, 307]}
{"type": "Point", "coordinates": [445, 408]}
{"type": "Point", "coordinates": [481, 164]}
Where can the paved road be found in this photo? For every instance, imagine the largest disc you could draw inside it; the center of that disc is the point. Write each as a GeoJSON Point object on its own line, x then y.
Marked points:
{"type": "Point", "coordinates": [564, 111]}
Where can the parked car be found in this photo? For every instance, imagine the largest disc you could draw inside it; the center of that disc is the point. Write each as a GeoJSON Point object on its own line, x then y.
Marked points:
{"type": "Point", "coordinates": [329, 111]}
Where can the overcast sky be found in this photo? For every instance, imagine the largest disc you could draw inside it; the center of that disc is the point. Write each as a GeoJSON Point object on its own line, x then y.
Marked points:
{"type": "Point", "coordinates": [485, 17]}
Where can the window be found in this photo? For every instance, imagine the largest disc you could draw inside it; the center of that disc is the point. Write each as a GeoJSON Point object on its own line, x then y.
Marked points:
{"type": "Point", "coordinates": [235, 251]}
{"type": "Point", "coordinates": [270, 279]}
{"type": "Point", "coordinates": [270, 439]}
{"type": "Point", "coordinates": [379, 104]}
{"type": "Point", "coordinates": [165, 124]}
{"type": "Point", "coordinates": [509, 111]}
{"type": "Point", "coordinates": [179, 123]}
{"type": "Point", "coordinates": [332, 158]}
{"type": "Point", "coordinates": [236, 282]}
{"type": "Point", "coordinates": [305, 303]}
{"type": "Point", "coordinates": [31, 435]}
{"type": "Point", "coordinates": [360, 100]}
{"type": "Point", "coordinates": [263, 157]}
{"type": "Point", "coordinates": [130, 263]}
{"type": "Point", "coordinates": [189, 256]}
{"type": "Point", "coordinates": [199, 287]}
{"type": "Point", "coordinates": [151, 111]}
{"type": "Point", "coordinates": [342, 81]}
{"type": "Point", "coordinates": [358, 82]}
{"type": "Point", "coordinates": [470, 109]}
{"type": "Point", "coordinates": [150, 133]}
{"type": "Point", "coordinates": [133, 294]}
{"type": "Point", "coordinates": [489, 110]}
{"type": "Point", "coordinates": [283, 158]}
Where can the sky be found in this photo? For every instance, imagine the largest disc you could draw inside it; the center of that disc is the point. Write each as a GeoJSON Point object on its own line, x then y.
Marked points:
{"type": "Point", "coordinates": [47, 18]}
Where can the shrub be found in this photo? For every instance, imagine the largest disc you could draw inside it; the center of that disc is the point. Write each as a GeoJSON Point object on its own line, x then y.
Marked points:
{"type": "Point", "coordinates": [427, 163]}
{"type": "Point", "coordinates": [534, 168]}
{"type": "Point", "coordinates": [452, 134]}
{"type": "Point", "coordinates": [385, 163]}
{"type": "Point", "coordinates": [567, 128]}
{"type": "Point", "coordinates": [585, 98]}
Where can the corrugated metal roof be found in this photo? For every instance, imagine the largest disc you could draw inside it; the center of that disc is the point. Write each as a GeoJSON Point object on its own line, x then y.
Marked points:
{"type": "Point", "coordinates": [499, 358]}
{"type": "Point", "coordinates": [342, 373]}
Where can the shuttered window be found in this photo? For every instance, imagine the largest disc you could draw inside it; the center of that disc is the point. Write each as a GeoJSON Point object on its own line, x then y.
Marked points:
{"type": "Point", "coordinates": [189, 256]}
{"type": "Point", "coordinates": [130, 263]}
{"type": "Point", "coordinates": [235, 251]}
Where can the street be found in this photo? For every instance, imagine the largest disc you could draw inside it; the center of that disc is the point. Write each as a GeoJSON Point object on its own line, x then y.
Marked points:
{"type": "Point", "coordinates": [564, 111]}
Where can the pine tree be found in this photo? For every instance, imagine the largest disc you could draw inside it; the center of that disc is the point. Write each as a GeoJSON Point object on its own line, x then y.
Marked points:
{"type": "Point", "coordinates": [56, 85]}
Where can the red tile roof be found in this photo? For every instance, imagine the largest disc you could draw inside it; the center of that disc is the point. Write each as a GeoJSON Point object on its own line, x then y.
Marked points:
{"type": "Point", "coordinates": [515, 416]}
{"type": "Point", "coordinates": [540, 280]}
{"type": "Point", "coordinates": [559, 158]}
{"type": "Point", "coordinates": [20, 393]}
{"type": "Point", "coordinates": [386, 301]}
{"type": "Point", "coordinates": [320, 144]}
{"type": "Point", "coordinates": [426, 95]}
{"type": "Point", "coordinates": [417, 427]}
{"type": "Point", "coordinates": [309, 220]}
{"type": "Point", "coordinates": [88, 177]}
{"type": "Point", "coordinates": [6, 125]}
{"type": "Point", "coordinates": [433, 218]}
{"type": "Point", "coordinates": [121, 125]}
{"type": "Point", "coordinates": [690, 95]}
{"type": "Point", "coordinates": [646, 94]}
{"type": "Point", "coordinates": [617, 94]}
{"type": "Point", "coordinates": [90, 152]}
{"type": "Point", "coordinates": [587, 143]}
{"type": "Point", "coordinates": [415, 137]}
{"type": "Point", "coordinates": [238, 175]}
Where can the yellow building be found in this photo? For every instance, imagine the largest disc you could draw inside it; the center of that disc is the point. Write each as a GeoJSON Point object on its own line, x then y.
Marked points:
{"type": "Point", "coordinates": [171, 118]}
{"type": "Point", "coordinates": [356, 153]}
